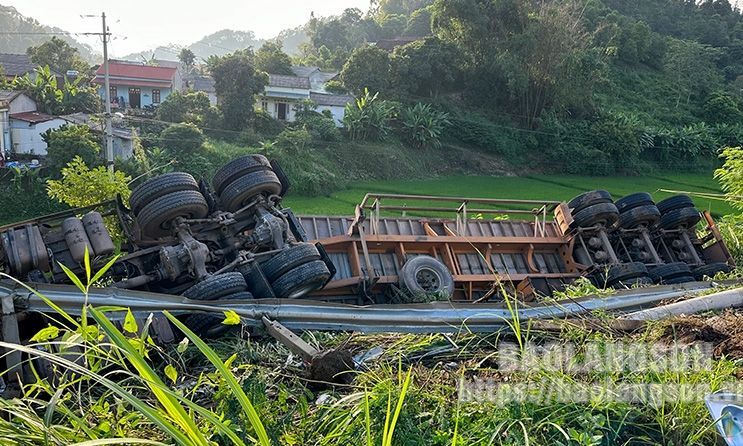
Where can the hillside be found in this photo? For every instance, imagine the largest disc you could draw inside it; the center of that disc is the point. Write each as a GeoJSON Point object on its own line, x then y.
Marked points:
{"type": "Point", "coordinates": [20, 32]}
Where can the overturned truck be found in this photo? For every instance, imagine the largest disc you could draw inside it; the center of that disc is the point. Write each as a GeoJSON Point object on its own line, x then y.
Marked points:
{"type": "Point", "coordinates": [231, 239]}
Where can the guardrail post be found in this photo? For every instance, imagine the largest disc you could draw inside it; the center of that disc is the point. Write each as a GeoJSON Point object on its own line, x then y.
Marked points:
{"type": "Point", "coordinates": [12, 357]}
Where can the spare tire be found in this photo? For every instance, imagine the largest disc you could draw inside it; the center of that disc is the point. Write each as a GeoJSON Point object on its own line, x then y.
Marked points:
{"type": "Point", "coordinates": [632, 201]}
{"type": "Point", "coordinates": [590, 198]}
{"type": "Point", "coordinates": [425, 275]}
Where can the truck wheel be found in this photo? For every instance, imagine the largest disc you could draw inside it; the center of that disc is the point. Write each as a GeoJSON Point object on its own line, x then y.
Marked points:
{"type": "Point", "coordinates": [641, 216]}
{"type": "Point", "coordinates": [160, 185]}
{"type": "Point", "coordinates": [239, 192]}
{"type": "Point", "coordinates": [632, 201]}
{"type": "Point", "coordinates": [679, 218]}
{"type": "Point", "coordinates": [674, 202]}
{"type": "Point", "coordinates": [663, 273]}
{"type": "Point", "coordinates": [207, 325]}
{"type": "Point", "coordinates": [682, 279]}
{"type": "Point", "coordinates": [237, 168]}
{"type": "Point", "coordinates": [590, 198]}
{"type": "Point", "coordinates": [426, 275]}
{"type": "Point", "coordinates": [215, 287]}
{"type": "Point", "coordinates": [621, 272]}
{"type": "Point", "coordinates": [602, 214]}
{"type": "Point", "coordinates": [289, 258]}
{"type": "Point", "coordinates": [156, 217]}
{"type": "Point", "coordinates": [302, 280]}
{"type": "Point", "coordinates": [710, 270]}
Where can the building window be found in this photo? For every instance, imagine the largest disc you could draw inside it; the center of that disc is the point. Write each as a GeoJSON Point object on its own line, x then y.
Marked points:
{"type": "Point", "coordinates": [113, 94]}
{"type": "Point", "coordinates": [264, 106]}
{"type": "Point", "coordinates": [155, 96]}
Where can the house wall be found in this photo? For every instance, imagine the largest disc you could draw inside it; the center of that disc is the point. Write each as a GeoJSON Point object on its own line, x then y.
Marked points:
{"type": "Point", "coordinates": [272, 107]}
{"type": "Point", "coordinates": [145, 95]}
{"type": "Point", "coordinates": [123, 148]}
{"type": "Point", "coordinates": [337, 111]}
{"type": "Point", "coordinates": [22, 104]}
{"type": "Point", "coordinates": [26, 137]}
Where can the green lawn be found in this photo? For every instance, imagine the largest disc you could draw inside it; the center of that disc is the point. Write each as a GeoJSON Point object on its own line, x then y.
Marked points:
{"type": "Point", "coordinates": [532, 187]}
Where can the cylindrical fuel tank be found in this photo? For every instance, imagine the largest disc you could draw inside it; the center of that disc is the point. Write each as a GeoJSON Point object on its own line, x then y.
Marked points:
{"type": "Point", "coordinates": [76, 238]}
{"type": "Point", "coordinates": [97, 233]}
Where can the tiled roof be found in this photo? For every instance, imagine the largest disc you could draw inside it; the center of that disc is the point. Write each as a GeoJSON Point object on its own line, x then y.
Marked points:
{"type": "Point", "coordinates": [282, 80]}
{"type": "Point", "coordinates": [203, 84]}
{"type": "Point", "coordinates": [16, 64]}
{"type": "Point", "coordinates": [9, 95]}
{"type": "Point", "coordinates": [32, 117]}
{"type": "Point", "coordinates": [304, 71]}
{"type": "Point", "coordinates": [137, 71]}
{"type": "Point", "coordinates": [338, 100]}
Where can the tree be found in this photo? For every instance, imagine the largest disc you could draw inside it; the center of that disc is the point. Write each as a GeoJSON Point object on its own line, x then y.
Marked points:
{"type": "Point", "coordinates": [692, 64]}
{"type": "Point", "coordinates": [419, 23]}
{"type": "Point", "coordinates": [527, 56]}
{"type": "Point", "coordinates": [367, 68]}
{"type": "Point", "coordinates": [187, 58]}
{"type": "Point", "coordinates": [236, 82]}
{"type": "Point", "coordinates": [68, 142]}
{"type": "Point", "coordinates": [182, 140]}
{"type": "Point", "coordinates": [271, 59]}
{"type": "Point", "coordinates": [59, 56]}
{"type": "Point", "coordinates": [426, 68]}
{"type": "Point", "coordinates": [193, 108]}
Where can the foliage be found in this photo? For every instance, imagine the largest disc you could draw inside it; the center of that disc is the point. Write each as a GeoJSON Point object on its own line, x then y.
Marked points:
{"type": "Point", "coordinates": [59, 55]}
{"type": "Point", "coordinates": [271, 59]}
{"type": "Point", "coordinates": [236, 82]}
{"type": "Point", "coordinates": [193, 108]}
{"type": "Point", "coordinates": [367, 69]}
{"type": "Point", "coordinates": [81, 186]}
{"type": "Point", "coordinates": [182, 139]}
{"type": "Point", "coordinates": [422, 126]}
{"type": "Point", "coordinates": [68, 142]}
{"type": "Point", "coordinates": [187, 58]}
{"type": "Point", "coordinates": [730, 175]}
{"type": "Point", "coordinates": [368, 119]}
{"type": "Point", "coordinates": [722, 109]}
{"type": "Point", "coordinates": [425, 68]}
{"type": "Point", "coordinates": [71, 98]}
{"type": "Point", "coordinates": [310, 173]}
{"type": "Point", "coordinates": [335, 87]}
{"type": "Point", "coordinates": [321, 127]}
{"type": "Point", "coordinates": [692, 65]}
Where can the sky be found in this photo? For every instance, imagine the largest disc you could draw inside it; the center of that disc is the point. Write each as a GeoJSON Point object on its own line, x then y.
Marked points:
{"type": "Point", "coordinates": [141, 25]}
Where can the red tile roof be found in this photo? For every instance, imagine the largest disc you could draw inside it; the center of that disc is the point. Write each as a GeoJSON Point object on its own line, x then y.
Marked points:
{"type": "Point", "coordinates": [32, 117]}
{"type": "Point", "coordinates": [133, 82]}
{"type": "Point", "coordinates": [131, 70]}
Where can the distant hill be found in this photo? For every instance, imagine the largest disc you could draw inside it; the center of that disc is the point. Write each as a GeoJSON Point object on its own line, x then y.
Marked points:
{"type": "Point", "coordinates": [18, 32]}
{"type": "Point", "coordinates": [223, 42]}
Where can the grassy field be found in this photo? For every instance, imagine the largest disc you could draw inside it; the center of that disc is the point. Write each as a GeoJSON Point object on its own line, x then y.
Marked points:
{"type": "Point", "coordinates": [533, 187]}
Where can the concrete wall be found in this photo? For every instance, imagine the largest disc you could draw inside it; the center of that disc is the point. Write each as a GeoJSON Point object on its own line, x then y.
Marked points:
{"type": "Point", "coordinates": [22, 104]}
{"type": "Point", "coordinates": [26, 137]}
{"type": "Point", "coordinates": [337, 111]}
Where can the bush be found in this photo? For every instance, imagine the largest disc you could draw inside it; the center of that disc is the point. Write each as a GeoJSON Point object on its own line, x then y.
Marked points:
{"type": "Point", "coordinates": [368, 119]}
{"type": "Point", "coordinates": [68, 142]}
{"type": "Point", "coordinates": [182, 140]}
{"type": "Point", "coordinates": [321, 127]}
{"type": "Point", "coordinates": [266, 125]}
{"type": "Point", "coordinates": [422, 126]}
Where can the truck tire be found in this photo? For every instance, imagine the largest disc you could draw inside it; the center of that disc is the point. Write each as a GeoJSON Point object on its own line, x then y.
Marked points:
{"type": "Point", "coordinates": [632, 201]}
{"type": "Point", "coordinates": [239, 192]}
{"type": "Point", "coordinates": [215, 287]}
{"type": "Point", "coordinates": [674, 202]}
{"type": "Point", "coordinates": [590, 198]}
{"type": "Point", "coordinates": [160, 185]}
{"type": "Point", "coordinates": [426, 275]}
{"type": "Point", "coordinates": [155, 217]}
{"type": "Point", "coordinates": [669, 271]}
{"type": "Point", "coordinates": [710, 270]}
{"type": "Point", "coordinates": [237, 168]}
{"type": "Point", "coordinates": [625, 271]}
{"type": "Point", "coordinates": [302, 280]}
{"type": "Point", "coordinates": [602, 214]}
{"type": "Point", "coordinates": [207, 325]}
{"type": "Point", "coordinates": [633, 283]}
{"type": "Point", "coordinates": [289, 258]}
{"type": "Point", "coordinates": [686, 217]}
{"type": "Point", "coordinates": [677, 280]}
{"type": "Point", "coordinates": [641, 216]}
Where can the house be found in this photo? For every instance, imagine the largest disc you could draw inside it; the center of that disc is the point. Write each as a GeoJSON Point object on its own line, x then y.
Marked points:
{"type": "Point", "coordinates": [26, 129]}
{"type": "Point", "coordinates": [206, 84]}
{"type": "Point", "coordinates": [136, 85]}
{"type": "Point", "coordinates": [20, 64]}
{"type": "Point", "coordinates": [284, 91]}
{"type": "Point", "coordinates": [123, 138]}
{"type": "Point", "coordinates": [11, 103]}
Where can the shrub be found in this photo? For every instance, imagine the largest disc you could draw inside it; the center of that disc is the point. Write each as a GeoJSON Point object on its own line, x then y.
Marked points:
{"type": "Point", "coordinates": [368, 119]}
{"type": "Point", "coordinates": [68, 142]}
{"type": "Point", "coordinates": [422, 126]}
{"type": "Point", "coordinates": [321, 127]}
{"type": "Point", "coordinates": [182, 139]}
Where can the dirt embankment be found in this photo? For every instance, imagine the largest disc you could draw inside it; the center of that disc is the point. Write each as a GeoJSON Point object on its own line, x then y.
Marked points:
{"type": "Point", "coordinates": [723, 330]}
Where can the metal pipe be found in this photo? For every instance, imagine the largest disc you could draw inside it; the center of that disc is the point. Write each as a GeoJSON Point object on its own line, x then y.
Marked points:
{"type": "Point", "coordinates": [301, 314]}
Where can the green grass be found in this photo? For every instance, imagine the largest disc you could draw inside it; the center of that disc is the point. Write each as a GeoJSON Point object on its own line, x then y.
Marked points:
{"type": "Point", "coordinates": [531, 187]}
